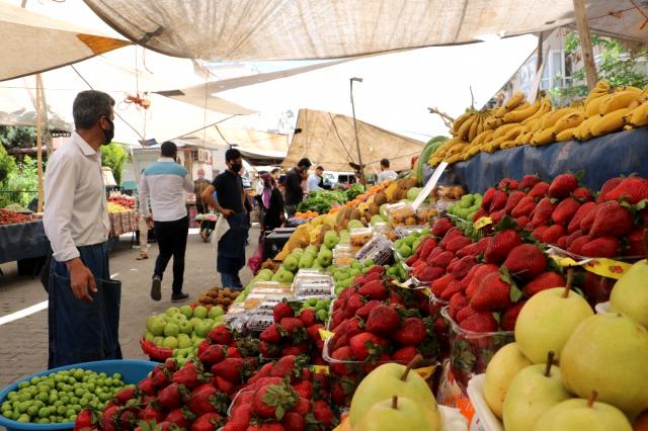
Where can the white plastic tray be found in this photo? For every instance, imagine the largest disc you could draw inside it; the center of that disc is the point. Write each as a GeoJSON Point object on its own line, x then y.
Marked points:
{"type": "Point", "coordinates": [489, 421]}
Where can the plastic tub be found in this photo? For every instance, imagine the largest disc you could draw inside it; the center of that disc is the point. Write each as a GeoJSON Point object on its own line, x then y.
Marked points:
{"type": "Point", "coordinates": [487, 419]}
{"type": "Point", "coordinates": [132, 371]}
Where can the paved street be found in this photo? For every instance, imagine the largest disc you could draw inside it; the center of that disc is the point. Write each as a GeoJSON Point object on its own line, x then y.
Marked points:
{"type": "Point", "coordinates": [23, 342]}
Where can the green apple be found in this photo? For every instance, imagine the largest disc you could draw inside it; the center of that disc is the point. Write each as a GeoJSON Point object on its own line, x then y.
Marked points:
{"type": "Point", "coordinates": [630, 294]}
{"type": "Point", "coordinates": [157, 327]}
{"type": "Point", "coordinates": [200, 312]}
{"type": "Point", "coordinates": [325, 258]}
{"type": "Point", "coordinates": [532, 393]}
{"type": "Point", "coordinates": [583, 415]}
{"type": "Point", "coordinates": [399, 413]}
{"type": "Point", "coordinates": [186, 311]}
{"type": "Point", "coordinates": [306, 261]}
{"type": "Point", "coordinates": [501, 370]}
{"type": "Point", "coordinates": [331, 239]}
{"type": "Point", "coordinates": [369, 263]}
{"type": "Point", "coordinates": [171, 330]}
{"type": "Point", "coordinates": [284, 276]}
{"type": "Point", "coordinates": [219, 321]}
{"type": "Point", "coordinates": [179, 318]}
{"type": "Point", "coordinates": [383, 211]}
{"type": "Point", "coordinates": [170, 342]}
{"type": "Point", "coordinates": [291, 263]}
{"type": "Point", "coordinates": [386, 381]}
{"type": "Point", "coordinates": [185, 327]}
{"type": "Point", "coordinates": [194, 321]}
{"type": "Point", "coordinates": [265, 274]}
{"type": "Point", "coordinates": [148, 336]}
{"type": "Point", "coordinates": [158, 341]}
{"type": "Point", "coordinates": [171, 311]}
{"type": "Point", "coordinates": [216, 311]}
{"type": "Point", "coordinates": [149, 322]}
{"type": "Point", "coordinates": [311, 249]}
{"type": "Point", "coordinates": [547, 321]}
{"type": "Point", "coordinates": [203, 328]}
{"type": "Point", "coordinates": [405, 250]}
{"type": "Point", "coordinates": [184, 341]}
{"type": "Point", "coordinates": [608, 353]}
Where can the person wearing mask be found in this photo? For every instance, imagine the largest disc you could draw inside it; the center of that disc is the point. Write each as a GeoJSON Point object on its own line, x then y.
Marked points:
{"type": "Point", "coordinates": [83, 301]}
{"type": "Point", "coordinates": [316, 180]}
{"type": "Point", "coordinates": [385, 173]}
{"type": "Point", "coordinates": [294, 191]}
{"type": "Point", "coordinates": [164, 183]}
{"type": "Point", "coordinates": [272, 204]}
{"type": "Point", "coordinates": [231, 204]}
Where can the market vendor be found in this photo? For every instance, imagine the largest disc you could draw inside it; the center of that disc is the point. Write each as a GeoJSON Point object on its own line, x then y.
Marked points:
{"type": "Point", "coordinates": [316, 180]}
{"type": "Point", "coordinates": [83, 301]}
{"type": "Point", "coordinates": [231, 204]}
{"type": "Point", "coordinates": [294, 191]}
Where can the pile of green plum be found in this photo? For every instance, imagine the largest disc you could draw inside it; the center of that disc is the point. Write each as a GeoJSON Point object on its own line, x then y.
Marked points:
{"type": "Point", "coordinates": [180, 328]}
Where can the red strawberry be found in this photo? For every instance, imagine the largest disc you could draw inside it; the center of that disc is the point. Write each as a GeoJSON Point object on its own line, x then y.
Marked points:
{"type": "Point", "coordinates": [481, 212]}
{"type": "Point", "coordinates": [513, 199]}
{"type": "Point", "coordinates": [229, 369]}
{"type": "Point", "coordinates": [355, 302]}
{"type": "Point", "coordinates": [355, 326]}
{"type": "Point", "coordinates": [562, 242]}
{"type": "Point", "coordinates": [497, 216]}
{"type": "Point", "coordinates": [464, 266]}
{"type": "Point", "coordinates": [240, 418]}
{"type": "Point", "coordinates": [526, 261]}
{"type": "Point", "coordinates": [480, 274]}
{"type": "Point", "coordinates": [207, 422]}
{"type": "Point", "coordinates": [528, 181]}
{"type": "Point", "coordinates": [125, 395]}
{"type": "Point", "coordinates": [453, 287]}
{"type": "Point", "coordinates": [314, 331]}
{"type": "Point", "coordinates": [85, 419]}
{"type": "Point", "coordinates": [499, 201]}
{"type": "Point", "coordinates": [542, 213]}
{"type": "Point", "coordinates": [206, 399]}
{"type": "Point", "coordinates": [457, 244]}
{"type": "Point", "coordinates": [501, 245]}
{"type": "Point", "coordinates": [538, 232]}
{"type": "Point", "coordinates": [293, 421]}
{"type": "Point", "coordinates": [212, 355]}
{"type": "Point", "coordinates": [452, 265]}
{"type": "Point", "coordinates": [494, 294]}
{"type": "Point", "coordinates": [405, 355]}
{"type": "Point", "coordinates": [281, 311]}
{"type": "Point", "coordinates": [286, 366]}
{"type": "Point", "coordinates": [382, 320]}
{"type": "Point", "coordinates": [364, 311]}
{"type": "Point", "coordinates": [546, 280]}
{"type": "Point", "coordinates": [290, 325]}
{"type": "Point", "coordinates": [233, 352]}
{"type": "Point", "coordinates": [632, 190]}
{"type": "Point", "coordinates": [470, 250]}
{"type": "Point", "coordinates": [273, 401]}
{"type": "Point", "coordinates": [150, 413]}
{"type": "Point", "coordinates": [146, 386]}
{"type": "Point", "coordinates": [441, 227]}
{"type": "Point", "coordinates": [343, 354]}
{"type": "Point", "coordinates": [553, 233]}
{"type": "Point", "coordinates": [426, 246]}
{"type": "Point", "coordinates": [366, 344]}
{"type": "Point", "coordinates": [488, 198]}
{"type": "Point", "coordinates": [442, 260]}
{"type": "Point", "coordinates": [465, 282]}
{"type": "Point", "coordinates": [522, 221]}
{"type": "Point", "coordinates": [304, 388]}
{"type": "Point", "coordinates": [562, 186]}
{"type": "Point", "coordinates": [171, 397]}
{"type": "Point", "coordinates": [190, 376]}
{"type": "Point", "coordinates": [263, 372]}
{"type": "Point", "coordinates": [451, 234]}
{"type": "Point", "coordinates": [323, 413]}
{"type": "Point", "coordinates": [583, 210]}
{"type": "Point", "coordinates": [510, 315]}
{"type": "Point", "coordinates": [479, 322]}
{"type": "Point", "coordinates": [539, 190]}
{"type": "Point", "coordinates": [608, 186]}
{"type": "Point", "coordinates": [576, 246]}
{"type": "Point", "coordinates": [464, 313]}
{"type": "Point", "coordinates": [303, 406]}
{"type": "Point", "coordinates": [565, 211]}
{"type": "Point", "coordinates": [582, 194]}
{"type": "Point", "coordinates": [428, 273]}
{"type": "Point", "coordinates": [572, 237]}
{"type": "Point", "coordinates": [588, 220]}
{"type": "Point", "coordinates": [224, 385]}
{"type": "Point", "coordinates": [612, 219]}
{"type": "Point", "coordinates": [411, 333]}
{"type": "Point", "coordinates": [180, 417]}
{"type": "Point", "coordinates": [271, 334]}
{"type": "Point", "coordinates": [604, 246]}
{"type": "Point", "coordinates": [295, 350]}
{"type": "Point", "coordinates": [457, 302]}
{"type": "Point", "coordinates": [308, 317]}
{"type": "Point", "coordinates": [269, 350]}
{"type": "Point", "coordinates": [440, 284]}
{"type": "Point", "coordinates": [374, 290]}
{"type": "Point", "coordinates": [508, 184]}
{"type": "Point", "coordinates": [221, 335]}
{"type": "Point", "coordinates": [636, 247]}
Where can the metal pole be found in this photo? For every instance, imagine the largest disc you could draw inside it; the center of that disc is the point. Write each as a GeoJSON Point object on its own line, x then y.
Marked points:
{"type": "Point", "coordinates": [355, 128]}
{"type": "Point", "coordinates": [39, 143]}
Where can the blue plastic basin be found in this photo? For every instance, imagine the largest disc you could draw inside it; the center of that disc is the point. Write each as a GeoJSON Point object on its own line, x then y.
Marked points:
{"type": "Point", "coordinates": [132, 371]}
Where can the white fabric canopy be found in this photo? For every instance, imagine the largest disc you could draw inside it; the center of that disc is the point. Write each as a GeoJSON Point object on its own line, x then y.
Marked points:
{"type": "Point", "coordinates": [33, 43]}
{"type": "Point", "coordinates": [237, 30]}
{"type": "Point", "coordinates": [329, 140]}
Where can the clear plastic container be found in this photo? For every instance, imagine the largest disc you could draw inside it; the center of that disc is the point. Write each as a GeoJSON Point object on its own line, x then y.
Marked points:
{"type": "Point", "coordinates": [310, 283]}
{"type": "Point", "coordinates": [379, 249]}
{"type": "Point", "coordinates": [403, 231]}
{"type": "Point", "coordinates": [344, 255]}
{"type": "Point", "coordinates": [361, 236]}
{"type": "Point", "coordinates": [402, 214]}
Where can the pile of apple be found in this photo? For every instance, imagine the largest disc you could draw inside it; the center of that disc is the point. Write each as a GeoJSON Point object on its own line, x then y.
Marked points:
{"type": "Point", "coordinates": [182, 327]}
{"type": "Point", "coordinates": [308, 258]}
{"type": "Point", "coordinates": [407, 245]}
{"type": "Point", "coordinates": [572, 369]}
{"type": "Point", "coordinates": [563, 213]}
{"type": "Point", "coordinates": [344, 276]}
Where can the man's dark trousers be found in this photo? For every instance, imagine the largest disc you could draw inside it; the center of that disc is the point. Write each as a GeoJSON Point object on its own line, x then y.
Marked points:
{"type": "Point", "coordinates": [172, 241]}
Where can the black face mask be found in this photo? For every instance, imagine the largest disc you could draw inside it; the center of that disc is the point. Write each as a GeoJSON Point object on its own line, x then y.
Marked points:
{"type": "Point", "coordinates": [109, 134]}
{"type": "Point", "coordinates": [236, 167]}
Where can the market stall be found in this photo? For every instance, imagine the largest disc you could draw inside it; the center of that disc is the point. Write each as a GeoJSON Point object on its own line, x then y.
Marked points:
{"type": "Point", "coordinates": [22, 239]}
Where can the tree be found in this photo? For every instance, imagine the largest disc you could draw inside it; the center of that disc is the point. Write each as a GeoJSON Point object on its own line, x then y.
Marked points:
{"type": "Point", "coordinates": [17, 136]}
{"type": "Point", "coordinates": [114, 156]}
{"type": "Point", "coordinates": [7, 164]}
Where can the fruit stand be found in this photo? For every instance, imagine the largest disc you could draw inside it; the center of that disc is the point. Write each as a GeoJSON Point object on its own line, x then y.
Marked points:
{"type": "Point", "coordinates": [122, 215]}
{"type": "Point", "coordinates": [22, 239]}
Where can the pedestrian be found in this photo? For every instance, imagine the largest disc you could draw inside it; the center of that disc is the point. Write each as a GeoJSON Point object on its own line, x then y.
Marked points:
{"type": "Point", "coordinates": [83, 312]}
{"type": "Point", "coordinates": [316, 180]}
{"type": "Point", "coordinates": [385, 173]}
{"type": "Point", "coordinates": [294, 190]}
{"type": "Point", "coordinates": [231, 204]}
{"type": "Point", "coordinates": [199, 187]}
{"type": "Point", "coordinates": [272, 204]}
{"type": "Point", "coordinates": [164, 184]}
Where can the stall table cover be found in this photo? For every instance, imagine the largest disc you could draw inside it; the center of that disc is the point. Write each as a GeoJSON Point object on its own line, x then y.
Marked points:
{"type": "Point", "coordinates": [23, 241]}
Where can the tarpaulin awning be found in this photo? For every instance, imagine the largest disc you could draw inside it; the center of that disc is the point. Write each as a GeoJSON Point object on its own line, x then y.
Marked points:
{"type": "Point", "coordinates": [236, 30]}
{"type": "Point", "coordinates": [33, 43]}
{"type": "Point", "coordinates": [329, 140]}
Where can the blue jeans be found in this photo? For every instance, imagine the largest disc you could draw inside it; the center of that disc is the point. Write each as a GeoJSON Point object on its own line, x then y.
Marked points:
{"type": "Point", "coordinates": [231, 280]}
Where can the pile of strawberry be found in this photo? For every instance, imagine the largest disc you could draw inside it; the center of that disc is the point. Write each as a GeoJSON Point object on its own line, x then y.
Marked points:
{"type": "Point", "coordinates": [283, 396]}
{"type": "Point", "coordinates": [565, 214]}
{"type": "Point", "coordinates": [373, 322]}
{"type": "Point", "coordinates": [293, 333]}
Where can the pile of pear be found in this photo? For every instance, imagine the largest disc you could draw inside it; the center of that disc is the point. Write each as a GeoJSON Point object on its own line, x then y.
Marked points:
{"type": "Point", "coordinates": [571, 369]}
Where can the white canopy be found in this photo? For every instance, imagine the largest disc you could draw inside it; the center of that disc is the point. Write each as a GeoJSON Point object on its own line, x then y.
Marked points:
{"type": "Point", "coordinates": [237, 30]}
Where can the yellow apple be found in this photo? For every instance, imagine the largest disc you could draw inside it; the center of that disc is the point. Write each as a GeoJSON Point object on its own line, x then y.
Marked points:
{"type": "Point", "coordinates": [503, 367]}
{"type": "Point", "coordinates": [397, 414]}
{"type": "Point", "coordinates": [630, 294]}
{"type": "Point", "coordinates": [582, 415]}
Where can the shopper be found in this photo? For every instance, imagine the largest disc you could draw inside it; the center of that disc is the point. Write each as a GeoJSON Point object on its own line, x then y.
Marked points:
{"type": "Point", "coordinates": [275, 173]}
{"type": "Point", "coordinates": [231, 204]}
{"type": "Point", "coordinates": [83, 312]}
{"type": "Point", "coordinates": [199, 187]}
{"type": "Point", "coordinates": [294, 189]}
{"type": "Point", "coordinates": [385, 173]}
{"type": "Point", "coordinates": [271, 203]}
{"type": "Point", "coordinates": [164, 184]}
{"type": "Point", "coordinates": [316, 180]}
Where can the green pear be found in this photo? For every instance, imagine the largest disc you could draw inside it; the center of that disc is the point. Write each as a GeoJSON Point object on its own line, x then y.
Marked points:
{"type": "Point", "coordinates": [630, 294]}
{"type": "Point", "coordinates": [608, 353]}
{"type": "Point", "coordinates": [501, 370]}
{"type": "Point", "coordinates": [583, 415]}
{"type": "Point", "coordinates": [547, 320]}
{"type": "Point", "coordinates": [386, 381]}
{"type": "Point", "coordinates": [532, 393]}
{"type": "Point", "coordinates": [398, 413]}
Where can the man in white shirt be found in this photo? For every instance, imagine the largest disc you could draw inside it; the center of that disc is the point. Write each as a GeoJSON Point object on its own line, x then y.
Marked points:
{"type": "Point", "coordinates": [315, 180]}
{"type": "Point", "coordinates": [83, 301]}
{"type": "Point", "coordinates": [385, 174]}
{"type": "Point", "coordinates": [165, 183]}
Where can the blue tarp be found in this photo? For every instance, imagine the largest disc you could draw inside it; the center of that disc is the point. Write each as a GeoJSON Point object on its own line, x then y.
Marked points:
{"type": "Point", "coordinates": [600, 159]}
{"type": "Point", "coordinates": [23, 241]}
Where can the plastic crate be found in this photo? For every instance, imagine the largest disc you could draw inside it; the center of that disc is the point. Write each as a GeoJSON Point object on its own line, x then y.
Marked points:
{"type": "Point", "coordinates": [132, 371]}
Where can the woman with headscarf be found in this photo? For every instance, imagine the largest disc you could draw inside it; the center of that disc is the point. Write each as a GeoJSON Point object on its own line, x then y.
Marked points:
{"type": "Point", "coordinates": [272, 204]}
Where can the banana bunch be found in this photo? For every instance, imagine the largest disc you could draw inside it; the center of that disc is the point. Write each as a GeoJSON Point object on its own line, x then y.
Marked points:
{"type": "Point", "coordinates": [471, 124]}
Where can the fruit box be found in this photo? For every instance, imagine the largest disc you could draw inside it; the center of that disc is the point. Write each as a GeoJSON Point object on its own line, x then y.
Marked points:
{"type": "Point", "coordinates": [360, 236]}
{"type": "Point", "coordinates": [379, 249]}
{"type": "Point", "coordinates": [310, 283]}
{"type": "Point", "coordinates": [487, 419]}
{"type": "Point", "coordinates": [132, 372]}
{"type": "Point", "coordinates": [470, 352]}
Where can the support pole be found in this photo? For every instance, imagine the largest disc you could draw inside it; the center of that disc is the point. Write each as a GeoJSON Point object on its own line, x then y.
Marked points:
{"type": "Point", "coordinates": [539, 58]}
{"type": "Point", "coordinates": [39, 142]}
{"type": "Point", "coordinates": [586, 43]}
{"type": "Point", "coordinates": [355, 128]}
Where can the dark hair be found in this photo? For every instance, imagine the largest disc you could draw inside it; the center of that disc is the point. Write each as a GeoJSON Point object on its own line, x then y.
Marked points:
{"type": "Point", "coordinates": [169, 149]}
{"type": "Point", "coordinates": [89, 106]}
{"type": "Point", "coordinates": [304, 163]}
{"type": "Point", "coordinates": [232, 154]}
{"type": "Point", "coordinates": [384, 162]}
{"type": "Point", "coordinates": [275, 170]}
{"type": "Point", "coordinates": [319, 168]}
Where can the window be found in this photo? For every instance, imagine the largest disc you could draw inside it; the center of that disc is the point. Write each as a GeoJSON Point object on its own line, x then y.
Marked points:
{"type": "Point", "coordinates": [556, 73]}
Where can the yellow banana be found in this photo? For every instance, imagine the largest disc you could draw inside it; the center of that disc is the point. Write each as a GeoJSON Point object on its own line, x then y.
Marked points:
{"type": "Point", "coordinates": [501, 130]}
{"type": "Point", "coordinates": [639, 116]}
{"type": "Point", "coordinates": [630, 88]}
{"type": "Point", "coordinates": [518, 115]}
{"type": "Point", "coordinates": [545, 106]}
{"type": "Point", "coordinates": [569, 121]}
{"type": "Point", "coordinates": [514, 132]}
{"type": "Point", "coordinates": [602, 88]}
{"type": "Point", "coordinates": [514, 101]}
{"type": "Point", "coordinates": [459, 121]}
{"type": "Point", "coordinates": [494, 122]}
{"type": "Point", "coordinates": [565, 135]}
{"type": "Point", "coordinates": [507, 144]}
{"type": "Point", "coordinates": [617, 101]}
{"type": "Point", "coordinates": [473, 129]}
{"type": "Point", "coordinates": [551, 119]}
{"type": "Point", "coordinates": [463, 131]}
{"type": "Point", "coordinates": [523, 138]}
{"type": "Point", "coordinates": [582, 132]}
{"type": "Point", "coordinates": [609, 123]}
{"type": "Point", "coordinates": [543, 137]}
{"type": "Point", "coordinates": [479, 139]}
